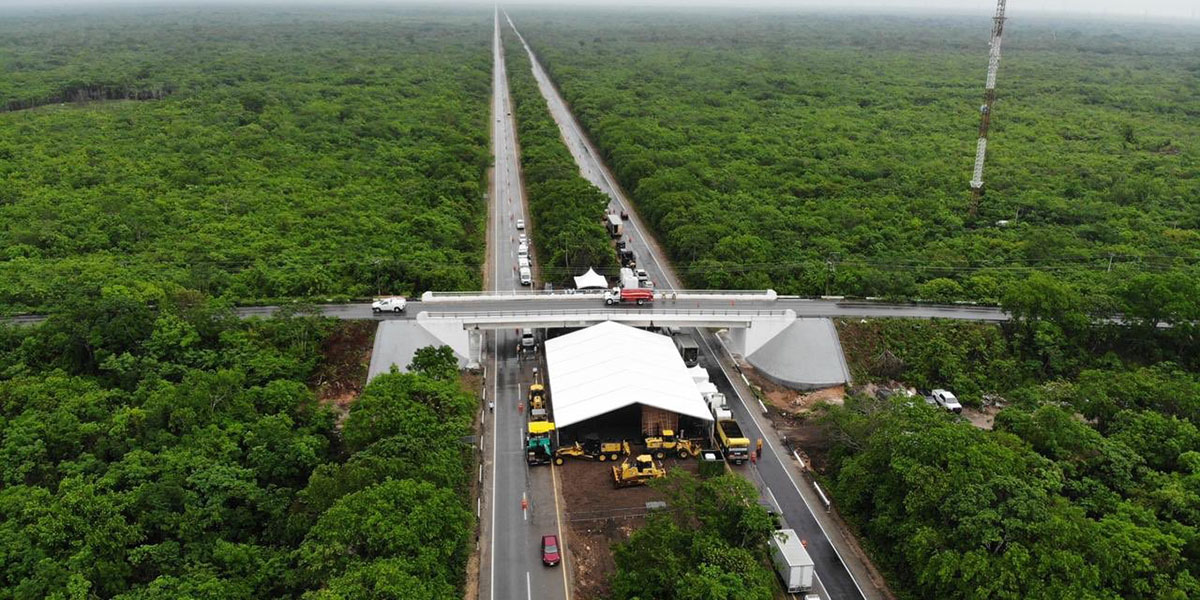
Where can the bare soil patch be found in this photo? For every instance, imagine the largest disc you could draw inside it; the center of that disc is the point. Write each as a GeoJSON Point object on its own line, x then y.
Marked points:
{"type": "Point", "coordinates": [345, 359]}
{"type": "Point", "coordinates": [596, 517]}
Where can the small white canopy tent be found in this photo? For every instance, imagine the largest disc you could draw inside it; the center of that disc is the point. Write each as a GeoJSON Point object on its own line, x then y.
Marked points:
{"type": "Point", "coordinates": [609, 366]}
{"type": "Point", "coordinates": [591, 281]}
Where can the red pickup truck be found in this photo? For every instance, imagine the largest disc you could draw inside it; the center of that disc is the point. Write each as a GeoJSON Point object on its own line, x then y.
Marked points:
{"type": "Point", "coordinates": [637, 296]}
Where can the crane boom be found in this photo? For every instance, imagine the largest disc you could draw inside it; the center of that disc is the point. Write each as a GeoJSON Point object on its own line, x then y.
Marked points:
{"type": "Point", "coordinates": [989, 97]}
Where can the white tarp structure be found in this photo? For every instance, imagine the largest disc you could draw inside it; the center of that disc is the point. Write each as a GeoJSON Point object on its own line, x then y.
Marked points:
{"type": "Point", "coordinates": [591, 281]}
{"type": "Point", "coordinates": [610, 366]}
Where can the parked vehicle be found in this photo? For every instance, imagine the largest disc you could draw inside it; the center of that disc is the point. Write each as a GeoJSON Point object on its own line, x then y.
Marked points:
{"type": "Point", "coordinates": [624, 215]}
{"type": "Point", "coordinates": [719, 407]}
{"type": "Point", "coordinates": [550, 555]}
{"type": "Point", "coordinates": [667, 443]}
{"type": "Point", "coordinates": [537, 443]}
{"type": "Point", "coordinates": [643, 277]}
{"type": "Point", "coordinates": [627, 258]}
{"type": "Point", "coordinates": [628, 279]}
{"type": "Point", "coordinates": [614, 225]}
{"type": "Point", "coordinates": [792, 562]}
{"type": "Point", "coordinates": [592, 449]}
{"type": "Point", "coordinates": [688, 349]}
{"type": "Point", "coordinates": [522, 239]}
{"type": "Point", "coordinates": [523, 250]}
{"type": "Point", "coordinates": [523, 261]}
{"type": "Point", "coordinates": [946, 400]}
{"type": "Point", "coordinates": [393, 304]}
{"type": "Point", "coordinates": [520, 224]}
{"type": "Point", "coordinates": [733, 443]}
{"type": "Point", "coordinates": [526, 276]}
{"type": "Point", "coordinates": [637, 296]}
{"type": "Point", "coordinates": [641, 471]}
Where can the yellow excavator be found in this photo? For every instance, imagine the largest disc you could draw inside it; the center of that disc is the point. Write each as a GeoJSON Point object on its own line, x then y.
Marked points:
{"type": "Point", "coordinates": [667, 443]}
{"type": "Point", "coordinates": [642, 470]}
{"type": "Point", "coordinates": [592, 450]}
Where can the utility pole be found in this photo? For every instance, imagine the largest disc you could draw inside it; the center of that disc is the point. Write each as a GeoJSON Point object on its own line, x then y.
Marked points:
{"type": "Point", "coordinates": [989, 97]}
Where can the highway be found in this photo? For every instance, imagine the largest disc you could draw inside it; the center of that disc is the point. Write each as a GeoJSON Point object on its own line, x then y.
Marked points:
{"type": "Point", "coordinates": [518, 504]}
{"type": "Point", "coordinates": [775, 467]}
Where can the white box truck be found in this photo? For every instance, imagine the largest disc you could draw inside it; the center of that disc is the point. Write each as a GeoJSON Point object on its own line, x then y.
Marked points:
{"type": "Point", "coordinates": [792, 561]}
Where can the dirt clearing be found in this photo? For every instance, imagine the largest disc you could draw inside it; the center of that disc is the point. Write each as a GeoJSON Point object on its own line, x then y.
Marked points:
{"type": "Point", "coordinates": [345, 358]}
{"type": "Point", "coordinates": [596, 517]}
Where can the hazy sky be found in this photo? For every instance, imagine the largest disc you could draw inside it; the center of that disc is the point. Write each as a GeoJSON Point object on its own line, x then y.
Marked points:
{"type": "Point", "coordinates": [1187, 9]}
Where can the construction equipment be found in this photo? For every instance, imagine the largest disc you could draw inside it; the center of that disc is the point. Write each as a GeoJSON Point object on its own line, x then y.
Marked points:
{"type": "Point", "coordinates": [667, 443]}
{"type": "Point", "coordinates": [989, 98]}
{"type": "Point", "coordinates": [537, 443]}
{"type": "Point", "coordinates": [537, 403]}
{"type": "Point", "coordinates": [642, 470]}
{"type": "Point", "coordinates": [592, 450]}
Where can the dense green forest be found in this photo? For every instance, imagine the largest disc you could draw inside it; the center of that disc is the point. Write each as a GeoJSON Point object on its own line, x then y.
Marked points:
{"type": "Point", "coordinates": [1089, 484]}
{"type": "Point", "coordinates": [282, 153]}
{"type": "Point", "coordinates": [159, 447]}
{"type": "Point", "coordinates": [830, 154]}
{"type": "Point", "coordinates": [566, 208]}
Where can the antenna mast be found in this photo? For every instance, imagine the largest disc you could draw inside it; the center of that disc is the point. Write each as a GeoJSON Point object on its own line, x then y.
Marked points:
{"type": "Point", "coordinates": [989, 97]}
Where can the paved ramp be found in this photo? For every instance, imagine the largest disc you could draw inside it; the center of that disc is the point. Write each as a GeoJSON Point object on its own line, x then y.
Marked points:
{"type": "Point", "coordinates": [395, 344]}
{"type": "Point", "coordinates": [806, 355]}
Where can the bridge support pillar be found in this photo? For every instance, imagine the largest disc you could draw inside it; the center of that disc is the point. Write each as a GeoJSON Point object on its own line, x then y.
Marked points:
{"type": "Point", "coordinates": [475, 343]}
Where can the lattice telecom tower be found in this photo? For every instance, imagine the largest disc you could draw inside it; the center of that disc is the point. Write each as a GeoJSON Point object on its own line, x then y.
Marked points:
{"type": "Point", "coordinates": [989, 96]}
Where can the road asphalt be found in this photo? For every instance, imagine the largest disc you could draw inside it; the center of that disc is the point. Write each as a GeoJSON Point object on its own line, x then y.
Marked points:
{"type": "Point", "coordinates": [518, 504]}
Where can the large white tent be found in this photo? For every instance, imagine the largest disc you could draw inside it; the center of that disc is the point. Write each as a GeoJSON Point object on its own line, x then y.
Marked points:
{"type": "Point", "coordinates": [610, 366]}
{"type": "Point", "coordinates": [590, 281]}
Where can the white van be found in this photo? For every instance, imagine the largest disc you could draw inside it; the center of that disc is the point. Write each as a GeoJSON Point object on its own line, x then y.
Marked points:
{"type": "Point", "coordinates": [523, 250]}
{"type": "Point", "coordinates": [523, 262]}
{"type": "Point", "coordinates": [526, 276]}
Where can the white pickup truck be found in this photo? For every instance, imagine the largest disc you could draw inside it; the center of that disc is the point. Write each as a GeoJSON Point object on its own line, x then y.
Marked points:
{"type": "Point", "coordinates": [393, 304]}
{"type": "Point", "coordinates": [945, 400]}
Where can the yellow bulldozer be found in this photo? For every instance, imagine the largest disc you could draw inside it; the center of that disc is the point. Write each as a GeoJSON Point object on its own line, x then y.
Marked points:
{"type": "Point", "coordinates": [667, 443]}
{"type": "Point", "coordinates": [642, 470]}
{"type": "Point", "coordinates": [592, 450]}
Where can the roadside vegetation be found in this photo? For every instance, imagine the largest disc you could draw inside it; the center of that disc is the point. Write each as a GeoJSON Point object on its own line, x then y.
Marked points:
{"type": "Point", "coordinates": [710, 545]}
{"type": "Point", "coordinates": [829, 154]}
{"type": "Point", "coordinates": [567, 210]}
{"type": "Point", "coordinates": [252, 155]}
{"type": "Point", "coordinates": [163, 448]}
{"type": "Point", "coordinates": [1089, 484]}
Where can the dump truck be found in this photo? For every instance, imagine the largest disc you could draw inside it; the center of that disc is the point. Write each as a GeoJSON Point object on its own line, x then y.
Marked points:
{"type": "Point", "coordinates": [537, 443]}
{"type": "Point", "coordinates": [537, 403]}
{"type": "Point", "coordinates": [592, 450]}
{"type": "Point", "coordinates": [735, 445]}
{"type": "Point", "coordinates": [642, 469]}
{"type": "Point", "coordinates": [667, 443]}
{"type": "Point", "coordinates": [792, 562]}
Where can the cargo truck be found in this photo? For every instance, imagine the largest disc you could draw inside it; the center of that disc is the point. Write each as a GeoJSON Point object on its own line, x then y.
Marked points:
{"type": "Point", "coordinates": [792, 562]}
{"type": "Point", "coordinates": [735, 445]}
{"type": "Point", "coordinates": [637, 296]}
{"type": "Point", "coordinates": [614, 225]}
{"type": "Point", "coordinates": [628, 278]}
{"type": "Point", "coordinates": [689, 350]}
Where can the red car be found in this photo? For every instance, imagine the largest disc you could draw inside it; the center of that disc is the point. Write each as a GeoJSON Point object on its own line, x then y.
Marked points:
{"type": "Point", "coordinates": [550, 556]}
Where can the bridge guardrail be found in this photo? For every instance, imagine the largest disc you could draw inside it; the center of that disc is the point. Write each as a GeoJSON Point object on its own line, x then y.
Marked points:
{"type": "Point", "coordinates": [709, 312]}
{"type": "Point", "coordinates": [591, 294]}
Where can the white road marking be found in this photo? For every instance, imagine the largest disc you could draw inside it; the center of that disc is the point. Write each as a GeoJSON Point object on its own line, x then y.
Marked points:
{"type": "Point", "coordinates": [528, 590]}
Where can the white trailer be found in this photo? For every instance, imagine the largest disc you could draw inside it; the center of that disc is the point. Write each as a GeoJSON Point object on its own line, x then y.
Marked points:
{"type": "Point", "coordinates": [792, 561]}
{"type": "Point", "coordinates": [629, 280]}
{"type": "Point", "coordinates": [614, 225]}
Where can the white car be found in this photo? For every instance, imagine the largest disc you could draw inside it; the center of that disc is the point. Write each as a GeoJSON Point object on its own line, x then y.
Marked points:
{"type": "Point", "coordinates": [522, 250]}
{"type": "Point", "coordinates": [947, 401]}
{"type": "Point", "coordinates": [523, 262]}
{"type": "Point", "coordinates": [522, 239]}
{"type": "Point", "coordinates": [526, 276]}
{"type": "Point", "coordinates": [393, 304]}
{"type": "Point", "coordinates": [521, 224]}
